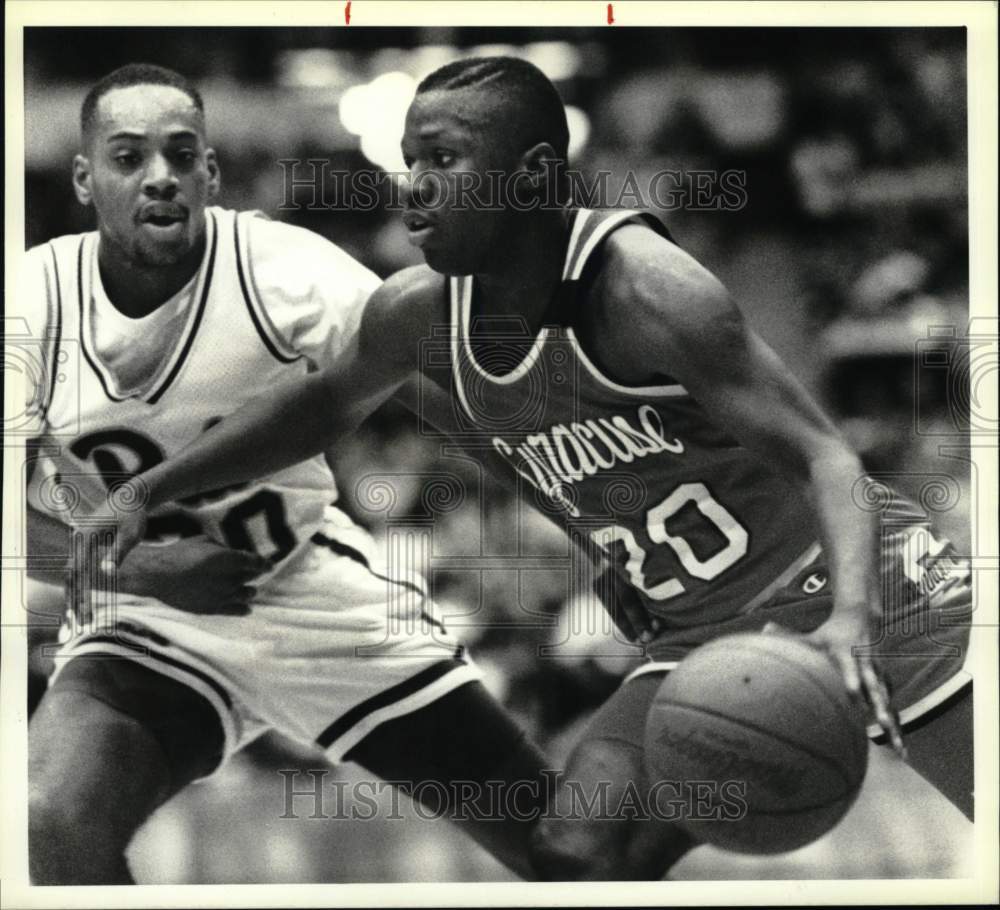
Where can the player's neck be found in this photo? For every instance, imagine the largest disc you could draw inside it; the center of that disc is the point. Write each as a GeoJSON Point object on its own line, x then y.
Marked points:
{"type": "Point", "coordinates": [136, 289]}
{"type": "Point", "coordinates": [522, 279]}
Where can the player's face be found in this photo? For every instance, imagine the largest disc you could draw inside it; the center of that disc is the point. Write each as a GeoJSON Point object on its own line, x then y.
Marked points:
{"type": "Point", "coordinates": [148, 173]}
{"type": "Point", "coordinates": [453, 139]}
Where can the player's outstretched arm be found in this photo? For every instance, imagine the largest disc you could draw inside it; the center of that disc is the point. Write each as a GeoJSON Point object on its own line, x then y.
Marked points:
{"type": "Point", "coordinates": [299, 420]}
{"type": "Point", "coordinates": [690, 329]}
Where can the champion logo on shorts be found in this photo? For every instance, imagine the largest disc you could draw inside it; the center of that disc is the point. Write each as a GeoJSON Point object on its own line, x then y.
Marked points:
{"type": "Point", "coordinates": [814, 583]}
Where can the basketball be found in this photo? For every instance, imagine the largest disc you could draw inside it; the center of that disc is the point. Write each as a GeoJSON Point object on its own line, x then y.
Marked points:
{"type": "Point", "coordinates": [759, 735]}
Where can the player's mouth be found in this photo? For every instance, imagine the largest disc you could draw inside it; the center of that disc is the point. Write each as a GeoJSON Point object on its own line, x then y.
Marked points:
{"type": "Point", "coordinates": [164, 218]}
{"type": "Point", "coordinates": [418, 226]}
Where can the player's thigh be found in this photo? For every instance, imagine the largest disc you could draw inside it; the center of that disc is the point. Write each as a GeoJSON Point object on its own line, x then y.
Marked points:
{"type": "Point", "coordinates": [111, 741]}
{"type": "Point", "coordinates": [599, 824]}
{"type": "Point", "coordinates": [465, 758]}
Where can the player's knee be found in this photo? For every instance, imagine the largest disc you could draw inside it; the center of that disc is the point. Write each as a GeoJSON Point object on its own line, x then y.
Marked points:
{"type": "Point", "coordinates": [58, 843]}
{"type": "Point", "coordinates": [579, 838]}
{"type": "Point", "coordinates": [70, 841]}
{"type": "Point", "coordinates": [65, 849]}
{"type": "Point", "coordinates": [564, 851]}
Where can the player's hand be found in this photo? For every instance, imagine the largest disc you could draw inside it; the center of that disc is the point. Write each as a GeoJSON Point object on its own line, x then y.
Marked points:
{"type": "Point", "coordinates": [625, 606]}
{"type": "Point", "coordinates": [841, 637]}
{"type": "Point", "coordinates": [194, 574]}
{"type": "Point", "coordinates": [97, 549]}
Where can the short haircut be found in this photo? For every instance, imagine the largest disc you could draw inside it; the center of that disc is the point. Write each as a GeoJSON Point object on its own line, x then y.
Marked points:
{"type": "Point", "coordinates": [127, 76]}
{"type": "Point", "coordinates": [540, 112]}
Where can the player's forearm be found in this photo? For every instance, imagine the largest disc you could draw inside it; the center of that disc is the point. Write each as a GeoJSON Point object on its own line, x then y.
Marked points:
{"type": "Point", "coordinates": [267, 435]}
{"type": "Point", "coordinates": [849, 531]}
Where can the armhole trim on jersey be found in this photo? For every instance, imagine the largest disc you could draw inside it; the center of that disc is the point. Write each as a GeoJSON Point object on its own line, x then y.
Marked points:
{"type": "Point", "coordinates": [458, 286]}
{"type": "Point", "coordinates": [84, 324]}
{"type": "Point", "coordinates": [647, 391]}
{"type": "Point", "coordinates": [195, 323]}
{"type": "Point", "coordinates": [52, 333]}
{"type": "Point", "coordinates": [576, 260]}
{"type": "Point", "coordinates": [574, 239]}
{"type": "Point", "coordinates": [269, 335]}
{"type": "Point", "coordinates": [599, 232]}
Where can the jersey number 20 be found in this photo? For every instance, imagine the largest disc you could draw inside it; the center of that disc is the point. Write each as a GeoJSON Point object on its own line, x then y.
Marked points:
{"type": "Point", "coordinates": [657, 518]}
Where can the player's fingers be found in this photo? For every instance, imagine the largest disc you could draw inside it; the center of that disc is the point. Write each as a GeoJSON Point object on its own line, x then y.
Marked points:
{"type": "Point", "coordinates": [849, 670]}
{"type": "Point", "coordinates": [772, 628]}
{"type": "Point", "coordinates": [878, 697]}
{"type": "Point", "coordinates": [638, 617]}
{"type": "Point", "coordinates": [631, 605]}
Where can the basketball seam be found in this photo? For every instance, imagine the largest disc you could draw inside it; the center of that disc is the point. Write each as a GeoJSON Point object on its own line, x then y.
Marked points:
{"type": "Point", "coordinates": [765, 732]}
{"type": "Point", "coordinates": [845, 715]}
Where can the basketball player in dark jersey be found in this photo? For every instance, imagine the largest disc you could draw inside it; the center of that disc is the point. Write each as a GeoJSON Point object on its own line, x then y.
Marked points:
{"type": "Point", "coordinates": [637, 408]}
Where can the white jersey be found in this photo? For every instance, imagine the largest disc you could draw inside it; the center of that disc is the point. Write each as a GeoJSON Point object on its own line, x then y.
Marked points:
{"type": "Point", "coordinates": [269, 302]}
{"type": "Point", "coordinates": [320, 654]}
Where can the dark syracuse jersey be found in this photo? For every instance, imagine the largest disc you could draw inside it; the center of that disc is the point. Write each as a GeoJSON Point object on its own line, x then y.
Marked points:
{"type": "Point", "coordinates": [703, 529]}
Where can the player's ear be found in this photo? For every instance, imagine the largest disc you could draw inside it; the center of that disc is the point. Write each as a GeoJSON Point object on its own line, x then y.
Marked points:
{"type": "Point", "coordinates": [538, 163]}
{"type": "Point", "coordinates": [214, 174]}
{"type": "Point", "coordinates": [81, 180]}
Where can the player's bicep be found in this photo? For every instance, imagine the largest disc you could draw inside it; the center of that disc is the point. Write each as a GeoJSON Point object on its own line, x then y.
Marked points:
{"type": "Point", "coordinates": [695, 332]}
{"type": "Point", "coordinates": [755, 393]}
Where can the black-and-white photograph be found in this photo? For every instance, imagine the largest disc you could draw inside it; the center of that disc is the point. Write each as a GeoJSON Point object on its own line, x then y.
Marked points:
{"type": "Point", "coordinates": [525, 451]}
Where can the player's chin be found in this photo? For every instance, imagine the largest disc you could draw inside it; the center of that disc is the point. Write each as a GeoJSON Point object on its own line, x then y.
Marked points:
{"type": "Point", "coordinates": [447, 262]}
{"type": "Point", "coordinates": [163, 252]}
{"type": "Point", "coordinates": [451, 258]}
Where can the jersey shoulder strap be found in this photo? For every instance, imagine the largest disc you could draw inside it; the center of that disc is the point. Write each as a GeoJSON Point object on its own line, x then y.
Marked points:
{"type": "Point", "coordinates": [591, 227]}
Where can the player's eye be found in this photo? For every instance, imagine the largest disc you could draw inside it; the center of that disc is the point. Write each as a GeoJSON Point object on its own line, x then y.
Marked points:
{"type": "Point", "coordinates": [185, 156]}
{"type": "Point", "coordinates": [443, 158]}
{"type": "Point", "coordinates": [126, 159]}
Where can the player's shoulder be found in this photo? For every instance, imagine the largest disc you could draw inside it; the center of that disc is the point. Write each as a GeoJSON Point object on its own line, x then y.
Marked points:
{"type": "Point", "coordinates": [643, 274]}
{"type": "Point", "coordinates": [65, 245]}
{"type": "Point", "coordinates": [416, 292]}
{"type": "Point", "coordinates": [286, 253]}
{"type": "Point", "coordinates": [403, 309]}
{"type": "Point", "coordinates": [57, 256]}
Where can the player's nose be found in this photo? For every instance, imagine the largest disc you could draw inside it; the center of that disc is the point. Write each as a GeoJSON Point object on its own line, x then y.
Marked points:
{"type": "Point", "coordinates": [422, 190]}
{"type": "Point", "coordinates": [406, 193]}
{"type": "Point", "coordinates": [160, 181]}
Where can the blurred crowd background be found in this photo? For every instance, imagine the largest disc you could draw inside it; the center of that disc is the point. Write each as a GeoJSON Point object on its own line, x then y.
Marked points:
{"type": "Point", "coordinates": [851, 245]}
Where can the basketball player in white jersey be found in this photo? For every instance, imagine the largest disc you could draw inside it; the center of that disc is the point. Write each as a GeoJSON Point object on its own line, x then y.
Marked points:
{"type": "Point", "coordinates": [743, 508]}
{"type": "Point", "coordinates": [251, 607]}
